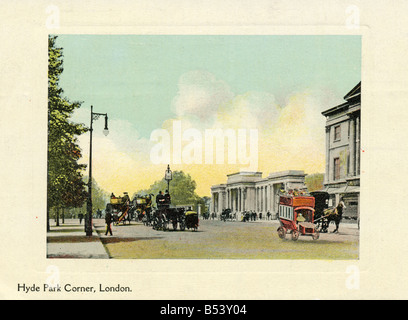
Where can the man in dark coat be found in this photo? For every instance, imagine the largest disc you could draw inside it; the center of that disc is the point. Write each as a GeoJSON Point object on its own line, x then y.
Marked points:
{"type": "Point", "coordinates": [160, 200]}
{"type": "Point", "coordinates": [167, 198]}
{"type": "Point", "coordinates": [80, 216]}
{"type": "Point", "coordinates": [340, 207]}
{"type": "Point", "coordinates": [108, 220]}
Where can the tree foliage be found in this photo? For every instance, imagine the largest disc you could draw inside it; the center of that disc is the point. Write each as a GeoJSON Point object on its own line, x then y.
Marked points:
{"type": "Point", "coordinates": [182, 189]}
{"type": "Point", "coordinates": [65, 184]}
{"type": "Point", "coordinates": [100, 197]}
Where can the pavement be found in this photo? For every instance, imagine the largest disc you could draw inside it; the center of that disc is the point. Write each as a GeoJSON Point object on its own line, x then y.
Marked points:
{"type": "Point", "coordinates": [68, 240]}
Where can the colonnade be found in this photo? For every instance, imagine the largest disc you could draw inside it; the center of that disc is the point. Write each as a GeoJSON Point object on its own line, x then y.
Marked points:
{"type": "Point", "coordinates": [245, 198]}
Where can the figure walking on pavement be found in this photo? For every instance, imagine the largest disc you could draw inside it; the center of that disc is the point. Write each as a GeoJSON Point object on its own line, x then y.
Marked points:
{"type": "Point", "coordinates": [108, 220]}
{"type": "Point", "coordinates": [340, 207]}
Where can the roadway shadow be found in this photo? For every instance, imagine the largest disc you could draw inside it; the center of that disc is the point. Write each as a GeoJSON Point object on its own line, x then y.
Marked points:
{"type": "Point", "coordinates": [178, 230]}
{"type": "Point", "coordinates": [113, 239]}
{"type": "Point", "coordinates": [67, 230]}
{"type": "Point", "coordinates": [72, 239]}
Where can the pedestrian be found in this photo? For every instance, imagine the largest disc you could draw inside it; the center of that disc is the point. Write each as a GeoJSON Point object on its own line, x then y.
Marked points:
{"type": "Point", "coordinates": [337, 219]}
{"type": "Point", "coordinates": [160, 200]}
{"type": "Point", "coordinates": [108, 220]}
{"type": "Point", "coordinates": [80, 216]}
{"type": "Point", "coordinates": [167, 198]}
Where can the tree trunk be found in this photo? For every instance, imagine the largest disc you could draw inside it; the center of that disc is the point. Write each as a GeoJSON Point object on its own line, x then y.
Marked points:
{"type": "Point", "coordinates": [57, 221]}
{"type": "Point", "coordinates": [48, 218]}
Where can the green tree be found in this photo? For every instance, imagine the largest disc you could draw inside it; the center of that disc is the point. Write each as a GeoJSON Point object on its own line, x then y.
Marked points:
{"type": "Point", "coordinates": [182, 189]}
{"type": "Point", "coordinates": [100, 198]}
{"type": "Point", "coordinates": [65, 186]}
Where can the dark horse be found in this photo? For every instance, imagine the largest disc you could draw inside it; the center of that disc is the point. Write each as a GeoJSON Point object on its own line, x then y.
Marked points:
{"type": "Point", "coordinates": [329, 215]}
{"type": "Point", "coordinates": [325, 215]}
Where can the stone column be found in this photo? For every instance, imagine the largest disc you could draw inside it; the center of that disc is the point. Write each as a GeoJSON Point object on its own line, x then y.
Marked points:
{"type": "Point", "coordinates": [327, 173]}
{"type": "Point", "coordinates": [212, 207]}
{"type": "Point", "coordinates": [358, 145]}
{"type": "Point", "coordinates": [251, 198]}
{"type": "Point", "coordinates": [266, 199]}
{"type": "Point", "coordinates": [239, 199]}
{"type": "Point", "coordinates": [256, 199]}
{"type": "Point", "coordinates": [228, 196]}
{"type": "Point", "coordinates": [244, 205]}
{"type": "Point", "coordinates": [235, 205]}
{"type": "Point", "coordinates": [219, 202]}
{"type": "Point", "coordinates": [352, 146]}
{"type": "Point", "coordinates": [216, 207]}
{"type": "Point", "coordinates": [232, 199]}
{"type": "Point", "coordinates": [241, 196]}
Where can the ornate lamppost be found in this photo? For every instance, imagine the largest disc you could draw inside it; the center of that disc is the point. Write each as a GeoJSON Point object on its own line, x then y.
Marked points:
{"type": "Point", "coordinates": [168, 176]}
{"type": "Point", "coordinates": [88, 217]}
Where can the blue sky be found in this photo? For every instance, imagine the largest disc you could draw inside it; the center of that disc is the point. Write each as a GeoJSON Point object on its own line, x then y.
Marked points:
{"type": "Point", "coordinates": [135, 77]}
{"type": "Point", "coordinates": [277, 84]}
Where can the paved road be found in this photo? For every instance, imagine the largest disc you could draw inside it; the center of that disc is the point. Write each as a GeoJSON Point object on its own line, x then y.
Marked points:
{"type": "Point", "coordinates": [218, 239]}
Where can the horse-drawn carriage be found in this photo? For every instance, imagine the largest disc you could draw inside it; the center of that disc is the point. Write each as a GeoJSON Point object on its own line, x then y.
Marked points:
{"type": "Point", "coordinates": [296, 216]}
{"type": "Point", "coordinates": [142, 205]}
{"type": "Point", "coordinates": [324, 214]}
{"type": "Point", "coordinates": [165, 216]}
{"type": "Point", "coordinates": [191, 220]}
{"type": "Point", "coordinates": [226, 214]}
{"type": "Point", "coordinates": [120, 208]}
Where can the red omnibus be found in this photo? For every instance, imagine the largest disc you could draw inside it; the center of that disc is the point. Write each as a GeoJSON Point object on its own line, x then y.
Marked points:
{"type": "Point", "coordinates": [296, 216]}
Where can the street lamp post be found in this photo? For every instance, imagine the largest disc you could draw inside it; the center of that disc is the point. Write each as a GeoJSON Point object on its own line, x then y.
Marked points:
{"type": "Point", "coordinates": [168, 176]}
{"type": "Point", "coordinates": [88, 218]}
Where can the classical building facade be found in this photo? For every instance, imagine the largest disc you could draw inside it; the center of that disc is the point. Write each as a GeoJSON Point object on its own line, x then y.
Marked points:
{"type": "Point", "coordinates": [343, 130]}
{"type": "Point", "coordinates": [248, 191]}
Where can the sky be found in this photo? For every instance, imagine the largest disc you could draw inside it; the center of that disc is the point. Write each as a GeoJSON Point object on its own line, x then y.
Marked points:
{"type": "Point", "coordinates": [164, 93]}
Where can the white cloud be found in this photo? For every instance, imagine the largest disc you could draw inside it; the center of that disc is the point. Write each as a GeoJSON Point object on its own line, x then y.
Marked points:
{"type": "Point", "coordinates": [250, 110]}
{"type": "Point", "coordinates": [199, 96]}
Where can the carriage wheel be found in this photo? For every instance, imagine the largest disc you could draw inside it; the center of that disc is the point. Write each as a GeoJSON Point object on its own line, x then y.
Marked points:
{"type": "Point", "coordinates": [295, 235]}
{"type": "Point", "coordinates": [282, 232]}
{"type": "Point", "coordinates": [315, 235]}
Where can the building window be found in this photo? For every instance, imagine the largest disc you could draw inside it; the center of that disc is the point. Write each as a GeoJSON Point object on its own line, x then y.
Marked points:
{"type": "Point", "coordinates": [336, 168]}
{"type": "Point", "coordinates": [337, 133]}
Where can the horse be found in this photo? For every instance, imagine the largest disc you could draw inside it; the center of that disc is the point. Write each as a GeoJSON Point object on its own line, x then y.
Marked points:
{"type": "Point", "coordinates": [325, 215]}
{"type": "Point", "coordinates": [329, 215]}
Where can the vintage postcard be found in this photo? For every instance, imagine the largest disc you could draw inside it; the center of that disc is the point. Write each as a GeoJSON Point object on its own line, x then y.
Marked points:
{"type": "Point", "coordinates": [245, 139]}
{"type": "Point", "coordinates": [236, 152]}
